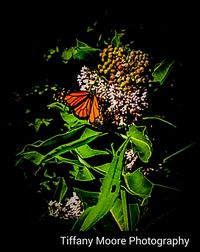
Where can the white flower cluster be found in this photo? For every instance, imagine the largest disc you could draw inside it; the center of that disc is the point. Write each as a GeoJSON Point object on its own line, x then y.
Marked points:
{"type": "Point", "coordinates": [130, 159]}
{"type": "Point", "coordinates": [118, 106]}
{"type": "Point", "coordinates": [89, 80]}
{"type": "Point", "coordinates": [72, 209]}
{"type": "Point", "coordinates": [127, 106]}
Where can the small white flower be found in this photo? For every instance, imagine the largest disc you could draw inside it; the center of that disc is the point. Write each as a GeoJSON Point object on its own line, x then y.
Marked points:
{"type": "Point", "coordinates": [73, 208]}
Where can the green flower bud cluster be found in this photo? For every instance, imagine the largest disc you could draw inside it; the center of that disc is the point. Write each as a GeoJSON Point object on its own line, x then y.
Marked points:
{"type": "Point", "coordinates": [124, 68]}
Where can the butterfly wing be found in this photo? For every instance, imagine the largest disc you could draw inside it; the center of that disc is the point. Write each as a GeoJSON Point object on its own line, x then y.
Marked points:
{"type": "Point", "coordinates": [83, 109]}
{"type": "Point", "coordinates": [94, 112]}
{"type": "Point", "coordinates": [75, 98]}
{"type": "Point", "coordinates": [84, 105]}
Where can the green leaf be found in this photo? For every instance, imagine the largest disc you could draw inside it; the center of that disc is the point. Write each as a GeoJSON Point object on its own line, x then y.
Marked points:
{"type": "Point", "coordinates": [177, 152]}
{"type": "Point", "coordinates": [116, 40]}
{"type": "Point", "coordinates": [120, 212]}
{"type": "Point", "coordinates": [39, 122]}
{"type": "Point", "coordinates": [67, 54]}
{"type": "Point", "coordinates": [89, 198]}
{"type": "Point", "coordinates": [134, 213]}
{"type": "Point", "coordinates": [46, 122]}
{"type": "Point", "coordinates": [109, 192]}
{"type": "Point", "coordinates": [143, 145]}
{"type": "Point", "coordinates": [117, 213]}
{"type": "Point", "coordinates": [90, 133]}
{"type": "Point", "coordinates": [82, 174]}
{"type": "Point", "coordinates": [72, 121]}
{"type": "Point", "coordinates": [60, 160]}
{"type": "Point", "coordinates": [138, 184]}
{"type": "Point", "coordinates": [67, 116]}
{"type": "Point", "coordinates": [55, 140]}
{"type": "Point", "coordinates": [87, 137]}
{"type": "Point", "coordinates": [124, 209]}
{"type": "Point", "coordinates": [89, 29]}
{"type": "Point", "coordinates": [162, 70]}
{"type": "Point", "coordinates": [85, 151]}
{"type": "Point", "coordinates": [83, 51]}
{"type": "Point", "coordinates": [62, 189]}
{"type": "Point", "coordinates": [81, 44]}
{"type": "Point", "coordinates": [74, 141]}
{"type": "Point", "coordinates": [102, 168]}
{"type": "Point", "coordinates": [52, 51]}
{"type": "Point", "coordinates": [33, 156]}
{"type": "Point", "coordinates": [58, 105]}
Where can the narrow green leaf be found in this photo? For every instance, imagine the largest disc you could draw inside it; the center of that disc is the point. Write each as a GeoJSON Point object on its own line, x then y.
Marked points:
{"type": "Point", "coordinates": [134, 213]}
{"type": "Point", "coordinates": [89, 29]}
{"type": "Point", "coordinates": [143, 145]}
{"type": "Point", "coordinates": [162, 70]}
{"type": "Point", "coordinates": [138, 184]}
{"type": "Point", "coordinates": [81, 44]}
{"type": "Point", "coordinates": [85, 151]}
{"type": "Point", "coordinates": [119, 212]}
{"type": "Point", "coordinates": [60, 160]}
{"type": "Point", "coordinates": [177, 152]}
{"type": "Point", "coordinates": [124, 209]}
{"type": "Point", "coordinates": [109, 192]}
{"type": "Point", "coordinates": [62, 188]}
{"type": "Point", "coordinates": [159, 119]}
{"type": "Point", "coordinates": [87, 137]}
{"type": "Point", "coordinates": [102, 169]}
{"type": "Point", "coordinates": [82, 174]}
{"type": "Point", "coordinates": [57, 139]}
{"type": "Point", "coordinates": [32, 156]}
{"type": "Point", "coordinates": [90, 133]}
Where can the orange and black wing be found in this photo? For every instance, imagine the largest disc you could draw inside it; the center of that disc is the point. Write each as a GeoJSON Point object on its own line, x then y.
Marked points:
{"type": "Point", "coordinates": [75, 98]}
{"type": "Point", "coordinates": [94, 112]}
{"type": "Point", "coordinates": [84, 105]}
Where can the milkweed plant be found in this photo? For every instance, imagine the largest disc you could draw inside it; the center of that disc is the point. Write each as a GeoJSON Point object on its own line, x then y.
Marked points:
{"type": "Point", "coordinates": [101, 174]}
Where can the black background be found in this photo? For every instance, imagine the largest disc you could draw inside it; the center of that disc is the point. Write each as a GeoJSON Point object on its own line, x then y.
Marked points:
{"type": "Point", "coordinates": [169, 29]}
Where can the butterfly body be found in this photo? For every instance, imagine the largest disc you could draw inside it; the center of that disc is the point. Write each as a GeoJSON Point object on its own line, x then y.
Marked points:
{"type": "Point", "coordinates": [84, 105]}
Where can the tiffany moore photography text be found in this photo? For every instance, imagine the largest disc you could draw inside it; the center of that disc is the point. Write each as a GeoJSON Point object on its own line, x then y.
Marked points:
{"type": "Point", "coordinates": [127, 241]}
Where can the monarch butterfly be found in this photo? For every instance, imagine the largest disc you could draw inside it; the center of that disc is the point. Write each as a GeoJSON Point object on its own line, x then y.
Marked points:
{"type": "Point", "coordinates": [84, 105]}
